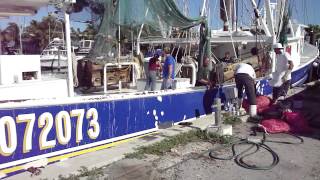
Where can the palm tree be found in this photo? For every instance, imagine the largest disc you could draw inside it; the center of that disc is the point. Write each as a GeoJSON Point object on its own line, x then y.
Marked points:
{"type": "Point", "coordinates": [44, 30]}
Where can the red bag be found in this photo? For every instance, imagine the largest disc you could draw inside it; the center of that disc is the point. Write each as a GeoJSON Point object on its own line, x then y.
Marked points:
{"type": "Point", "coordinates": [263, 104]}
{"type": "Point", "coordinates": [297, 122]}
{"type": "Point", "coordinates": [275, 126]}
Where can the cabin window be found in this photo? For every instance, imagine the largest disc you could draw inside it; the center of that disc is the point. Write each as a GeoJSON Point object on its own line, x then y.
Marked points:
{"type": "Point", "coordinates": [30, 75]}
{"type": "Point", "coordinates": [87, 44]}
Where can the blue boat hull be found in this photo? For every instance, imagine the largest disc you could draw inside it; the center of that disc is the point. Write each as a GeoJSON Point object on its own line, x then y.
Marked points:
{"type": "Point", "coordinates": [32, 133]}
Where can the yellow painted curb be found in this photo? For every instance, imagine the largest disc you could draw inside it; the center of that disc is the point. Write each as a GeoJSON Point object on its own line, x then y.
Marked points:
{"type": "Point", "coordinates": [77, 153]}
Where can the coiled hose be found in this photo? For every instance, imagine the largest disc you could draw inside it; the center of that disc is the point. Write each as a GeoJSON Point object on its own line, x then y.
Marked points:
{"type": "Point", "coordinates": [239, 158]}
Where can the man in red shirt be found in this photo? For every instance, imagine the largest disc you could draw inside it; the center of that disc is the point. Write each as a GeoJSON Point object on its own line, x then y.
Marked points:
{"type": "Point", "coordinates": [153, 67]}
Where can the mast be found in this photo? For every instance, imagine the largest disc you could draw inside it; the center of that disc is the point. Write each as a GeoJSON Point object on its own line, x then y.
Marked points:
{"type": "Point", "coordinates": [204, 5]}
{"type": "Point", "coordinates": [281, 9]}
{"type": "Point", "coordinates": [259, 18]}
{"type": "Point", "coordinates": [225, 13]}
{"type": "Point", "coordinates": [204, 44]}
{"type": "Point", "coordinates": [186, 7]}
{"type": "Point", "coordinates": [236, 9]}
{"type": "Point", "coordinates": [234, 16]}
{"type": "Point", "coordinates": [269, 20]}
{"type": "Point", "coordinates": [140, 31]}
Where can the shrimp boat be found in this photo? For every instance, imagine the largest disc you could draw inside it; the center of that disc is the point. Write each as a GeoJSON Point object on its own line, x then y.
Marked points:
{"type": "Point", "coordinates": [43, 119]}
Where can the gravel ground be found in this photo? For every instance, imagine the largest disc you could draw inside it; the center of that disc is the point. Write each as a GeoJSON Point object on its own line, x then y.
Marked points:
{"type": "Point", "coordinates": [192, 161]}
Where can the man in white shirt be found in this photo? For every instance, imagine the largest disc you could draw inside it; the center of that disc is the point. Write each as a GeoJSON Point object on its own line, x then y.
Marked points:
{"type": "Point", "coordinates": [281, 78]}
{"type": "Point", "coordinates": [244, 76]}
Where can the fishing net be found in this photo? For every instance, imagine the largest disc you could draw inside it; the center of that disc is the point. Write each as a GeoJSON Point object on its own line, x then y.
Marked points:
{"type": "Point", "coordinates": [154, 17]}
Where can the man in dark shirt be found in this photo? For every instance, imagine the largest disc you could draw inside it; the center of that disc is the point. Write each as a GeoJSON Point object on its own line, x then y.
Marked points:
{"type": "Point", "coordinates": [204, 77]}
{"type": "Point", "coordinates": [227, 58]}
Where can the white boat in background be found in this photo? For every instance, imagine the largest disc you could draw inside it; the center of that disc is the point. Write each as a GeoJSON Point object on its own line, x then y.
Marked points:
{"type": "Point", "coordinates": [54, 56]}
{"type": "Point", "coordinates": [84, 47]}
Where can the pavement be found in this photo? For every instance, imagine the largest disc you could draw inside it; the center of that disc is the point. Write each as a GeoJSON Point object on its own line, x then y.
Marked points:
{"type": "Point", "coordinates": [107, 156]}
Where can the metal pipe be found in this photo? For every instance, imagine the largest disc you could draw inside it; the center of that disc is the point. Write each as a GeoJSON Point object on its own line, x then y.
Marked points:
{"type": "Point", "coordinates": [68, 43]}
{"type": "Point", "coordinates": [217, 114]}
{"type": "Point", "coordinates": [119, 34]}
{"type": "Point", "coordinates": [139, 34]}
{"type": "Point", "coordinates": [1, 38]}
{"type": "Point", "coordinates": [194, 73]}
{"type": "Point", "coordinates": [59, 57]}
{"type": "Point", "coordinates": [270, 20]}
{"type": "Point", "coordinates": [234, 16]}
{"type": "Point", "coordinates": [259, 18]}
{"type": "Point", "coordinates": [232, 42]}
{"type": "Point", "coordinates": [203, 8]}
{"type": "Point", "coordinates": [120, 82]}
{"type": "Point", "coordinates": [237, 13]}
{"type": "Point", "coordinates": [105, 80]}
{"type": "Point", "coordinates": [20, 38]}
{"type": "Point", "coordinates": [134, 75]}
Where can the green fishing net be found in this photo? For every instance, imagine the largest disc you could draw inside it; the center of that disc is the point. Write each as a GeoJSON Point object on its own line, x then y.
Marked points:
{"type": "Point", "coordinates": [158, 17]}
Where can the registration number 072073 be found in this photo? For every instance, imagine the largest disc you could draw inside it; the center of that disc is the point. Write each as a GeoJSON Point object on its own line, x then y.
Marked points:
{"type": "Point", "coordinates": [45, 122]}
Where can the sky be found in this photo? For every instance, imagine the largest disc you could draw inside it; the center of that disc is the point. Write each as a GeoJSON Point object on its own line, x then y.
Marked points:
{"type": "Point", "coordinates": [44, 11]}
{"type": "Point", "coordinates": [304, 11]}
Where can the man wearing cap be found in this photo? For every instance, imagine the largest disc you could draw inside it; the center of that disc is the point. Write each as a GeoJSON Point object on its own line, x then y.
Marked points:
{"type": "Point", "coordinates": [281, 78]}
{"type": "Point", "coordinates": [153, 67]}
{"type": "Point", "coordinates": [245, 77]}
{"type": "Point", "coordinates": [168, 70]}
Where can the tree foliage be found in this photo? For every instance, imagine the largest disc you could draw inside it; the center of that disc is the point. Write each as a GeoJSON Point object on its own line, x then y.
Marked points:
{"type": "Point", "coordinates": [315, 28]}
{"type": "Point", "coordinates": [48, 28]}
{"type": "Point", "coordinates": [42, 32]}
{"type": "Point", "coordinates": [96, 6]}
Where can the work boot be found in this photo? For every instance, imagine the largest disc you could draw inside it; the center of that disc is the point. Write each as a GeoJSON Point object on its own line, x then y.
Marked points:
{"type": "Point", "coordinates": [253, 114]}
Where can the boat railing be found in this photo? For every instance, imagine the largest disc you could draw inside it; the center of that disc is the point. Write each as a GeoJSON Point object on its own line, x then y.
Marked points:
{"type": "Point", "coordinates": [118, 65]}
{"type": "Point", "coordinates": [194, 73]}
